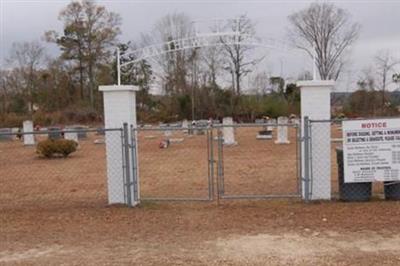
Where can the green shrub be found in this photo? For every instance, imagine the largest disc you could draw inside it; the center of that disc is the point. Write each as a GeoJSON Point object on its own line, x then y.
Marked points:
{"type": "Point", "coordinates": [61, 147]}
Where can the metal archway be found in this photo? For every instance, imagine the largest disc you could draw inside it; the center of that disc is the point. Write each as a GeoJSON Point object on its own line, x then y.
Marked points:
{"type": "Point", "coordinates": [216, 37]}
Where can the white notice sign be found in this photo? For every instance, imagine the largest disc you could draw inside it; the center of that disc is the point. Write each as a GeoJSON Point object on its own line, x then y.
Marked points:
{"type": "Point", "coordinates": [371, 150]}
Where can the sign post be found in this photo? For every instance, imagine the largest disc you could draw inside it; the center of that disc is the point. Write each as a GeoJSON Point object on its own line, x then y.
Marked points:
{"type": "Point", "coordinates": [371, 150]}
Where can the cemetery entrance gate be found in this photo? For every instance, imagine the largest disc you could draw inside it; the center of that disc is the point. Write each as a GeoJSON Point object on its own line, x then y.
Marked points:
{"type": "Point", "coordinates": [200, 163]}
{"type": "Point", "coordinates": [263, 161]}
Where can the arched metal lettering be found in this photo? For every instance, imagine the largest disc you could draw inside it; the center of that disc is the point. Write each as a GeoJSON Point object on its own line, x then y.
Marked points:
{"type": "Point", "coordinates": [199, 40]}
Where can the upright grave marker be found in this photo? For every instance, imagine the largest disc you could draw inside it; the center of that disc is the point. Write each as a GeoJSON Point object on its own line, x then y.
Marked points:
{"type": "Point", "coordinates": [71, 135]}
{"type": "Point", "coordinates": [282, 136]}
{"type": "Point", "coordinates": [271, 122]}
{"type": "Point", "coordinates": [5, 134]}
{"type": "Point", "coordinates": [228, 130]}
{"type": "Point", "coordinates": [185, 126]}
{"type": "Point", "coordinates": [29, 139]}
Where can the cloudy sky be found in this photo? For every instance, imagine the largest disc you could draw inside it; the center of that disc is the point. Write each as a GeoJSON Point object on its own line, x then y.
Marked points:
{"type": "Point", "coordinates": [26, 20]}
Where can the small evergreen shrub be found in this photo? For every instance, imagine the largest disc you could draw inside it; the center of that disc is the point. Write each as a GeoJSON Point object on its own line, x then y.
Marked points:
{"type": "Point", "coordinates": [59, 147]}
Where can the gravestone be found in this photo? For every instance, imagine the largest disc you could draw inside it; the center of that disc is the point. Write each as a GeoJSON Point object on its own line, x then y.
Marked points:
{"type": "Point", "coordinates": [54, 133]}
{"type": "Point", "coordinates": [271, 122]}
{"type": "Point", "coordinates": [71, 136]}
{"type": "Point", "coordinates": [264, 134]}
{"type": "Point", "coordinates": [228, 130]}
{"type": "Point", "coordinates": [29, 139]}
{"type": "Point", "coordinates": [167, 133]}
{"type": "Point", "coordinates": [260, 121]}
{"type": "Point", "coordinates": [201, 125]}
{"type": "Point", "coordinates": [282, 134]}
{"type": "Point", "coordinates": [176, 125]}
{"type": "Point", "coordinates": [100, 131]}
{"type": "Point", "coordinates": [296, 121]}
{"type": "Point", "coordinates": [81, 131]}
{"type": "Point", "coordinates": [185, 126]}
{"type": "Point", "coordinates": [16, 131]}
{"type": "Point", "coordinates": [7, 131]}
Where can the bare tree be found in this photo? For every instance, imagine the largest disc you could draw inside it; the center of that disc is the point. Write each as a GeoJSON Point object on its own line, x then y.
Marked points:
{"type": "Point", "coordinates": [325, 31]}
{"type": "Point", "coordinates": [27, 57]}
{"type": "Point", "coordinates": [239, 64]}
{"type": "Point", "coordinates": [385, 63]}
{"type": "Point", "coordinates": [4, 94]}
{"type": "Point", "coordinates": [211, 57]}
{"type": "Point", "coordinates": [171, 67]}
{"type": "Point", "coordinates": [305, 75]}
{"type": "Point", "coordinates": [366, 80]}
{"type": "Point", "coordinates": [261, 83]}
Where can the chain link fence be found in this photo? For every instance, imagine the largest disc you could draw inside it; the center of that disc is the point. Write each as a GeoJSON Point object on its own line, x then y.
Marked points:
{"type": "Point", "coordinates": [263, 161]}
{"type": "Point", "coordinates": [174, 163]}
{"type": "Point", "coordinates": [333, 165]}
{"type": "Point", "coordinates": [31, 180]}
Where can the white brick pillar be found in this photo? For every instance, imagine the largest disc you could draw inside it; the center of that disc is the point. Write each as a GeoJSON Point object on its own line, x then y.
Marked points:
{"type": "Point", "coordinates": [316, 104]}
{"type": "Point", "coordinates": [119, 108]}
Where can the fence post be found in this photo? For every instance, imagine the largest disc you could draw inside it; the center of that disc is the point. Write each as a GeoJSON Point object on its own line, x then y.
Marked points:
{"type": "Point", "coordinates": [128, 181]}
{"type": "Point", "coordinates": [220, 178]}
{"type": "Point", "coordinates": [211, 164]}
{"type": "Point", "coordinates": [306, 158]}
{"type": "Point", "coordinates": [135, 168]}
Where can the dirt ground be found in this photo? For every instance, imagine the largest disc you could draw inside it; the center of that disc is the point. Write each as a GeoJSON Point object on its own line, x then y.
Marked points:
{"type": "Point", "coordinates": [55, 212]}
{"type": "Point", "coordinates": [233, 233]}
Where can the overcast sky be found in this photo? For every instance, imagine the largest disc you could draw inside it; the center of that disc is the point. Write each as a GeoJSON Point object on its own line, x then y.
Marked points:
{"type": "Point", "coordinates": [27, 20]}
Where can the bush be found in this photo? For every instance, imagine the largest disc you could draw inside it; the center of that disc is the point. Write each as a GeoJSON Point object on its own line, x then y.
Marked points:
{"type": "Point", "coordinates": [61, 147]}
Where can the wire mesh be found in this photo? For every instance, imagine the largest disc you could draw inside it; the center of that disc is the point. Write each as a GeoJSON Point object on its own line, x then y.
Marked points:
{"type": "Point", "coordinates": [333, 167]}
{"type": "Point", "coordinates": [174, 163]}
{"type": "Point", "coordinates": [29, 180]}
{"type": "Point", "coordinates": [259, 164]}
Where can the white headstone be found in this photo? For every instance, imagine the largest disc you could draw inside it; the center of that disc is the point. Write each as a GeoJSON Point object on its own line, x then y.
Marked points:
{"type": "Point", "coordinates": [296, 121]}
{"type": "Point", "coordinates": [29, 139]}
{"type": "Point", "coordinates": [167, 133]}
{"type": "Point", "coordinates": [5, 134]}
{"type": "Point", "coordinates": [185, 125]}
{"type": "Point", "coordinates": [282, 135]}
{"type": "Point", "coordinates": [71, 136]}
{"type": "Point", "coordinates": [228, 129]}
{"type": "Point", "coordinates": [271, 121]}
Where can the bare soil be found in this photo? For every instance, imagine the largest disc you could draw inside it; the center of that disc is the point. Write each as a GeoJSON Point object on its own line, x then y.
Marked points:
{"type": "Point", "coordinates": [55, 211]}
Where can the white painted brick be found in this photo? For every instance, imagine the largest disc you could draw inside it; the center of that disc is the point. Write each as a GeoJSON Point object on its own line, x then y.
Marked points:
{"type": "Point", "coordinates": [119, 108]}
{"type": "Point", "coordinates": [316, 104]}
